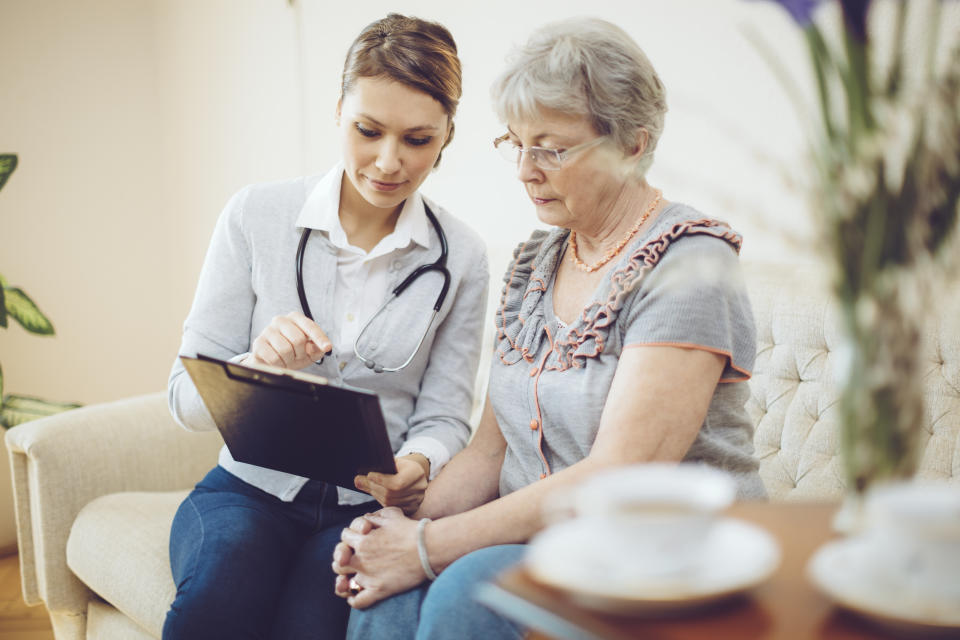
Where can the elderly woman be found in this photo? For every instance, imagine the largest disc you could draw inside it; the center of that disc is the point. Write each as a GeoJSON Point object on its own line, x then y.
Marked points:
{"type": "Point", "coordinates": [624, 335]}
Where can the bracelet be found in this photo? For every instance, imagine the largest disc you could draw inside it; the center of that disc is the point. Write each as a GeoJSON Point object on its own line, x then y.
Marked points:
{"type": "Point", "coordinates": [422, 549]}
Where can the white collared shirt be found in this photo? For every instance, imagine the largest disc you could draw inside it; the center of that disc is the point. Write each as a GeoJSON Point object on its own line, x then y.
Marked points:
{"type": "Point", "coordinates": [362, 278]}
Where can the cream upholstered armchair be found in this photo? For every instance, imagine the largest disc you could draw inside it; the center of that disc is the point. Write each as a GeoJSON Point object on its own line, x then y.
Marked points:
{"type": "Point", "coordinates": [95, 491]}
{"type": "Point", "coordinates": [96, 488]}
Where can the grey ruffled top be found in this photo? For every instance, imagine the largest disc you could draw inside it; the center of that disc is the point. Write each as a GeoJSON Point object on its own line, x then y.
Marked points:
{"type": "Point", "coordinates": [678, 284]}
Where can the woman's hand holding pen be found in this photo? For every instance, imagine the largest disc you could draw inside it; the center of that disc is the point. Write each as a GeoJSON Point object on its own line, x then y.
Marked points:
{"type": "Point", "coordinates": [403, 489]}
{"type": "Point", "coordinates": [293, 341]}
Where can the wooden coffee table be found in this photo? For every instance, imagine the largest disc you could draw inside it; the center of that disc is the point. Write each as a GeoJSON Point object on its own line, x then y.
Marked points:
{"type": "Point", "coordinates": [785, 606]}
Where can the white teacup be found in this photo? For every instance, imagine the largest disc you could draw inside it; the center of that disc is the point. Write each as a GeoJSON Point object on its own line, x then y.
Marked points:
{"type": "Point", "coordinates": [654, 518]}
{"type": "Point", "coordinates": [913, 532]}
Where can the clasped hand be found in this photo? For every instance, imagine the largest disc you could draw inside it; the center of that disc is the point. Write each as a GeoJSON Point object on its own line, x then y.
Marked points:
{"type": "Point", "coordinates": [377, 558]}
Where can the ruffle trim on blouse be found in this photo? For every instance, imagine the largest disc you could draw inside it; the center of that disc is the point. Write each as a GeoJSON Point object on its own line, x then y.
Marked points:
{"type": "Point", "coordinates": [520, 318]}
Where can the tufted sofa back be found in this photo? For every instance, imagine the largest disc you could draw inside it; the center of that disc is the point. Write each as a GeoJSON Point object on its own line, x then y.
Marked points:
{"type": "Point", "coordinates": [794, 396]}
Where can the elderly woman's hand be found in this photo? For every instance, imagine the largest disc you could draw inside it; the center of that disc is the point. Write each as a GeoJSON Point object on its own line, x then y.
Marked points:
{"type": "Point", "coordinates": [377, 558]}
{"type": "Point", "coordinates": [342, 554]}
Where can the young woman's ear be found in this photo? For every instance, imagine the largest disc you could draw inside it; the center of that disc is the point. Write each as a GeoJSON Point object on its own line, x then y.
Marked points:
{"type": "Point", "coordinates": [336, 116]}
{"type": "Point", "coordinates": [446, 140]}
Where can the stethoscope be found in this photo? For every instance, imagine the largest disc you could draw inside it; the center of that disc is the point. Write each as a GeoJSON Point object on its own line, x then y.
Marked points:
{"type": "Point", "coordinates": [439, 265]}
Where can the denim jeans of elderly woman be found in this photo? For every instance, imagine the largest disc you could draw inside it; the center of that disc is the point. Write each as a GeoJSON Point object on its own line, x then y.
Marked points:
{"type": "Point", "coordinates": [445, 608]}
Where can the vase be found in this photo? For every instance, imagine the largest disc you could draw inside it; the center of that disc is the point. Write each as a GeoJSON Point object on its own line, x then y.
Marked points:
{"type": "Point", "coordinates": [881, 394]}
{"type": "Point", "coordinates": [850, 518]}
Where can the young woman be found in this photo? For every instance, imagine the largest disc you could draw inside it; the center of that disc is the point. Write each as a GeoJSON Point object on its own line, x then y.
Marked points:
{"type": "Point", "coordinates": [294, 277]}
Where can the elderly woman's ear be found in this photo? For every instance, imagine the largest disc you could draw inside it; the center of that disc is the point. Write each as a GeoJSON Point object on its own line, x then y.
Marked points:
{"type": "Point", "coordinates": [634, 156]}
{"type": "Point", "coordinates": [642, 140]}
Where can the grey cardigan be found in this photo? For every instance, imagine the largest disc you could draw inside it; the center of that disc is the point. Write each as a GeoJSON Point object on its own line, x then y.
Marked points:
{"type": "Point", "coordinates": [248, 277]}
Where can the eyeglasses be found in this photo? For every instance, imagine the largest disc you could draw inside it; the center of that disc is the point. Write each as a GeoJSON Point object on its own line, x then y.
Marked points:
{"type": "Point", "coordinates": [546, 159]}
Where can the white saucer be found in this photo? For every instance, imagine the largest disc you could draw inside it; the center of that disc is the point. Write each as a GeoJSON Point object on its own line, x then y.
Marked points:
{"type": "Point", "coordinates": [846, 571]}
{"type": "Point", "coordinates": [569, 556]}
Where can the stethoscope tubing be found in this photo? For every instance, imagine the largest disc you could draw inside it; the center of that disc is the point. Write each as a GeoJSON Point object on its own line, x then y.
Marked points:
{"type": "Point", "coordinates": [439, 265]}
{"type": "Point", "coordinates": [304, 305]}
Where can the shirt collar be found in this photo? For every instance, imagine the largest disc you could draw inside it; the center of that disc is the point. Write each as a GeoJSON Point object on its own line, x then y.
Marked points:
{"type": "Point", "coordinates": [321, 211]}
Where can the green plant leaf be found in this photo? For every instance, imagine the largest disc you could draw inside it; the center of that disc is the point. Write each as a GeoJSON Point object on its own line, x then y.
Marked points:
{"type": "Point", "coordinates": [856, 81]}
{"type": "Point", "coordinates": [3, 309]}
{"type": "Point", "coordinates": [8, 162]}
{"type": "Point", "coordinates": [895, 75]}
{"type": "Point", "coordinates": [24, 311]}
{"type": "Point", "coordinates": [39, 406]}
{"type": "Point", "coordinates": [19, 409]}
{"type": "Point", "coordinates": [823, 65]}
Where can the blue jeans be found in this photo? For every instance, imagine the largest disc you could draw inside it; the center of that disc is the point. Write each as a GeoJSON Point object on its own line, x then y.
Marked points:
{"type": "Point", "coordinates": [248, 565]}
{"type": "Point", "coordinates": [445, 608]}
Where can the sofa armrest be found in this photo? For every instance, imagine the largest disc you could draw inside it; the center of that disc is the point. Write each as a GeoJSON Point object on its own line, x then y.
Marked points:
{"type": "Point", "coordinates": [62, 462]}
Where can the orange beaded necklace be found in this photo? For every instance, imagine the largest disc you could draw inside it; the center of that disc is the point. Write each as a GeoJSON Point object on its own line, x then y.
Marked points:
{"type": "Point", "coordinates": [612, 253]}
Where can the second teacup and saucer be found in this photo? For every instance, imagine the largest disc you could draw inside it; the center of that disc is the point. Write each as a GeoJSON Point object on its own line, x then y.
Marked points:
{"type": "Point", "coordinates": [902, 570]}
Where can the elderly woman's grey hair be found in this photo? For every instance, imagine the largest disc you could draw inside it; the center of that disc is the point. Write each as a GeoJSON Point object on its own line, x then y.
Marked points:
{"type": "Point", "coordinates": [588, 67]}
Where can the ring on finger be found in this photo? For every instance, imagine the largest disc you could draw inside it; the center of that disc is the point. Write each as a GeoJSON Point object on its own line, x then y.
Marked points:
{"type": "Point", "coordinates": [355, 586]}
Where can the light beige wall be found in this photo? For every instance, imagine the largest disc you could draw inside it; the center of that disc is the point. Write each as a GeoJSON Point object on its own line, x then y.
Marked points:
{"type": "Point", "coordinates": [79, 106]}
{"type": "Point", "coordinates": [732, 145]}
{"type": "Point", "coordinates": [134, 121]}
{"type": "Point", "coordinates": [728, 120]}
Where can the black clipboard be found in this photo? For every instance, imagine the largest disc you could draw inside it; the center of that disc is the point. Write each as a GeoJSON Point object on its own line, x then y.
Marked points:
{"type": "Point", "coordinates": [293, 421]}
